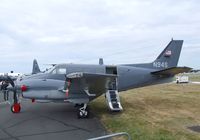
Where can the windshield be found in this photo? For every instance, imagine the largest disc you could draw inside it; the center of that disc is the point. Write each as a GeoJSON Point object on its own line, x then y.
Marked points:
{"type": "Point", "coordinates": [49, 69]}
{"type": "Point", "coordinates": [58, 69]}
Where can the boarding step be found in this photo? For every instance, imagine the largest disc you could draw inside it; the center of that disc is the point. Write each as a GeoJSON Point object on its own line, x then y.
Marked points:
{"type": "Point", "coordinates": [113, 100]}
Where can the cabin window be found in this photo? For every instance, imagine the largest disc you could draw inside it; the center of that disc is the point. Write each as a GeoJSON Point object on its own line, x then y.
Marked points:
{"type": "Point", "coordinates": [61, 71]}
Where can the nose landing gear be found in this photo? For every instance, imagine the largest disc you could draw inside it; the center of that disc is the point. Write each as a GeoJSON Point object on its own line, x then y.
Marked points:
{"type": "Point", "coordinates": [16, 108]}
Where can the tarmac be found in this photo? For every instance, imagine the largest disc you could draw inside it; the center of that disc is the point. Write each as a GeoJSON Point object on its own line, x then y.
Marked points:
{"type": "Point", "coordinates": [47, 121]}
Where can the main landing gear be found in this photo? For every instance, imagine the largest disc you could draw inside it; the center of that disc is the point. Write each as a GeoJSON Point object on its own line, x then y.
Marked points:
{"type": "Point", "coordinates": [83, 111]}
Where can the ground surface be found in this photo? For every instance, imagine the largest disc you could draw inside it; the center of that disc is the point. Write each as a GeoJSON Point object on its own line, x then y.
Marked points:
{"type": "Point", "coordinates": [160, 112]}
{"type": "Point", "coordinates": [47, 122]}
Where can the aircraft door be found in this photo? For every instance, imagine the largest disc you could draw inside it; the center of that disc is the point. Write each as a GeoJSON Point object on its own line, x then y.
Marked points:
{"type": "Point", "coordinates": [113, 83]}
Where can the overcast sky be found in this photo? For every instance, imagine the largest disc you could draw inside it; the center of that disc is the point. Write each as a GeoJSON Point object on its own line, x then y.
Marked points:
{"type": "Point", "coordinates": [72, 31]}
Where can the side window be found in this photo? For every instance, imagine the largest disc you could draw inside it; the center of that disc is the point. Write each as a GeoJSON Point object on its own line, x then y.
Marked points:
{"type": "Point", "coordinates": [61, 71]}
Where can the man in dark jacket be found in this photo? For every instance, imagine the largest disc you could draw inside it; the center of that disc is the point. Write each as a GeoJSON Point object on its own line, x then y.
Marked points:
{"type": "Point", "coordinates": [4, 89]}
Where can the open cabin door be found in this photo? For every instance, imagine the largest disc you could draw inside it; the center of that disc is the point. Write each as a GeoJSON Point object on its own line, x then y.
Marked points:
{"type": "Point", "coordinates": [113, 83]}
{"type": "Point", "coordinates": [111, 70]}
{"type": "Point", "coordinates": [112, 95]}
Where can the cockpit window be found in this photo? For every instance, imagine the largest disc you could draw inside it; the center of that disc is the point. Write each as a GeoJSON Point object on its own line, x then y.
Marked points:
{"type": "Point", "coordinates": [59, 70]}
{"type": "Point", "coordinates": [54, 71]}
{"type": "Point", "coordinates": [49, 70]}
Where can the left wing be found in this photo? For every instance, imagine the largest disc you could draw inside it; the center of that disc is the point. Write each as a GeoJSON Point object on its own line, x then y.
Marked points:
{"type": "Point", "coordinates": [93, 84]}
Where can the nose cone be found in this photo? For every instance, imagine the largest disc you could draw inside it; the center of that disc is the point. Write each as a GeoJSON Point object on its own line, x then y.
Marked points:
{"type": "Point", "coordinates": [23, 88]}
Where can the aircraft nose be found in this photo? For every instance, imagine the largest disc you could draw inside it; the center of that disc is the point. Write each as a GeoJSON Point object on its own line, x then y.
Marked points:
{"type": "Point", "coordinates": [23, 88]}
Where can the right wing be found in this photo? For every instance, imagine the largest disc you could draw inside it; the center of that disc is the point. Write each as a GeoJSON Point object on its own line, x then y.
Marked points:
{"type": "Point", "coordinates": [93, 84]}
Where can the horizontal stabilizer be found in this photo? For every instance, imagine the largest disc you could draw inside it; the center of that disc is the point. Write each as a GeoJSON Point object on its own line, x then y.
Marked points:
{"type": "Point", "coordinates": [172, 71]}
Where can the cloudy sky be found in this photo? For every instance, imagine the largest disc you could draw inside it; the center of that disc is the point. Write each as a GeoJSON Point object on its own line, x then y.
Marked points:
{"type": "Point", "coordinates": [81, 31]}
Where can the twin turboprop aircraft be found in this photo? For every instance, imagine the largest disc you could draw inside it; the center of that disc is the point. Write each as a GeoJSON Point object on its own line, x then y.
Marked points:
{"type": "Point", "coordinates": [79, 84]}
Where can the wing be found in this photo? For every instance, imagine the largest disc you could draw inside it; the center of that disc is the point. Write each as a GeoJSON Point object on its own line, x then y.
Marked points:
{"type": "Point", "coordinates": [172, 71]}
{"type": "Point", "coordinates": [92, 84]}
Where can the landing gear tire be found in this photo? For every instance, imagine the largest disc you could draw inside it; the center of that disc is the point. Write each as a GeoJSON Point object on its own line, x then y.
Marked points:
{"type": "Point", "coordinates": [16, 108]}
{"type": "Point", "coordinates": [83, 112]}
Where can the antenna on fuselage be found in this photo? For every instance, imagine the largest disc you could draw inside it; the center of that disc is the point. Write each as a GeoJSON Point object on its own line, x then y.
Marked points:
{"type": "Point", "coordinates": [100, 61]}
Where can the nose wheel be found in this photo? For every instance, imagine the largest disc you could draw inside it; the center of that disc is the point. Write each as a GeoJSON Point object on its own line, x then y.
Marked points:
{"type": "Point", "coordinates": [83, 112]}
{"type": "Point", "coordinates": [16, 108]}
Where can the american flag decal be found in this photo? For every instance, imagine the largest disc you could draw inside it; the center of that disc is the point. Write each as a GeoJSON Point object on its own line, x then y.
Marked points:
{"type": "Point", "coordinates": [168, 53]}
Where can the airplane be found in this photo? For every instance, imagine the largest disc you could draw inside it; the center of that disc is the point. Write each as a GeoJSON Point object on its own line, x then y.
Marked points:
{"type": "Point", "coordinates": [81, 83]}
{"type": "Point", "coordinates": [12, 74]}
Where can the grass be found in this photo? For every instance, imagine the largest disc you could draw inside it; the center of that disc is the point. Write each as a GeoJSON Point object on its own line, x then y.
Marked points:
{"type": "Point", "coordinates": [160, 112]}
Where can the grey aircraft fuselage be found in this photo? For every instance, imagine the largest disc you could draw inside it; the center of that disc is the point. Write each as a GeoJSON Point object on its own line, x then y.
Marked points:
{"type": "Point", "coordinates": [48, 85]}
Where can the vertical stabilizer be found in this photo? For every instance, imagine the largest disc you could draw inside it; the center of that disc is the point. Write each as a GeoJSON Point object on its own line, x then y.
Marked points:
{"type": "Point", "coordinates": [36, 68]}
{"type": "Point", "coordinates": [169, 56]}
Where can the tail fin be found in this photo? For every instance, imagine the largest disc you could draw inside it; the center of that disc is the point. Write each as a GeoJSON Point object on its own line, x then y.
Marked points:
{"type": "Point", "coordinates": [36, 68]}
{"type": "Point", "coordinates": [169, 56]}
